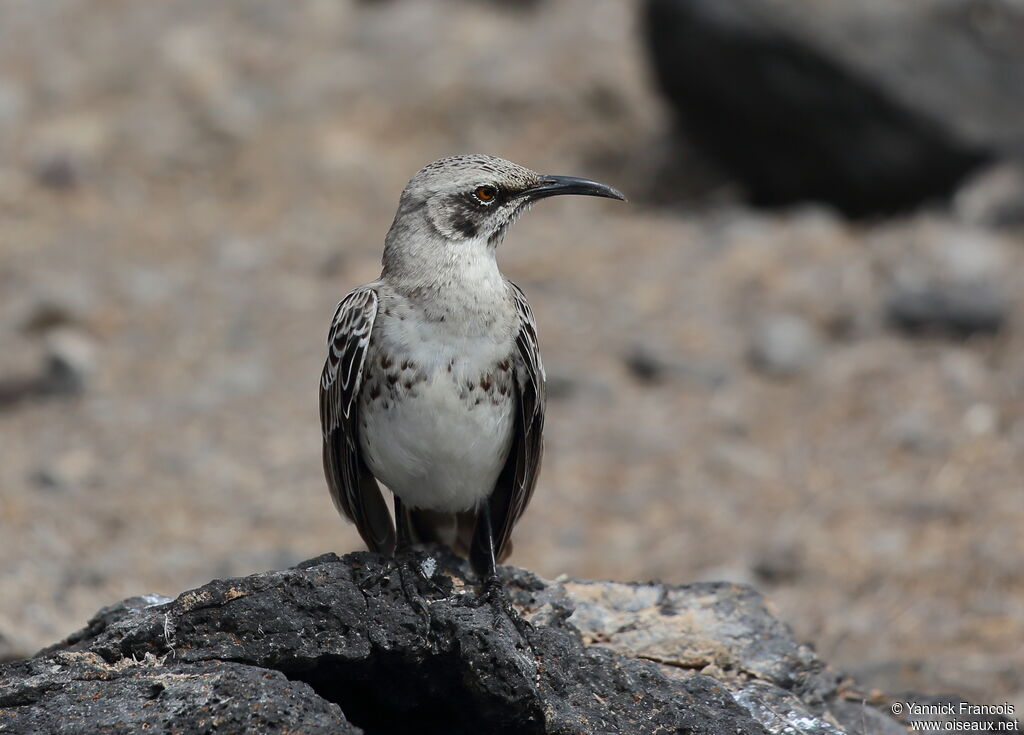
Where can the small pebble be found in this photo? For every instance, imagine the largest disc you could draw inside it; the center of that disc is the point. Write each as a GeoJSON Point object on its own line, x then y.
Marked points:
{"type": "Point", "coordinates": [783, 345]}
{"type": "Point", "coordinates": [70, 361]}
{"type": "Point", "coordinates": [959, 309]}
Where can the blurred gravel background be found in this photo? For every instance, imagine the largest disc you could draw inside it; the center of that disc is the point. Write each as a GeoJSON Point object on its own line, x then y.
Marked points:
{"type": "Point", "coordinates": [188, 188]}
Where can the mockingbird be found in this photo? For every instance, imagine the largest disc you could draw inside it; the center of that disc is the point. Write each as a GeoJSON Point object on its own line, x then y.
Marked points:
{"type": "Point", "coordinates": [433, 383]}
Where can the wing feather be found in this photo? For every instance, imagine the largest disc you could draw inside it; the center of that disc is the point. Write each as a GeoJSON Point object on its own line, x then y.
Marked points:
{"type": "Point", "coordinates": [518, 478]}
{"type": "Point", "coordinates": [353, 488]}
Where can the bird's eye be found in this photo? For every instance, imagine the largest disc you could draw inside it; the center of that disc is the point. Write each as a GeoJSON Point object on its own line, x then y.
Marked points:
{"type": "Point", "coordinates": [485, 193]}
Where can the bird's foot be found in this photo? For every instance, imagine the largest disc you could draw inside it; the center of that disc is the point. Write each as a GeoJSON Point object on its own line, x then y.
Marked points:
{"type": "Point", "coordinates": [416, 570]}
{"type": "Point", "coordinates": [495, 595]}
{"type": "Point", "coordinates": [375, 576]}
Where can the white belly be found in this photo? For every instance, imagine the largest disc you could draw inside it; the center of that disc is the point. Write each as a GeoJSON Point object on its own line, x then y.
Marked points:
{"type": "Point", "coordinates": [433, 446]}
{"type": "Point", "coordinates": [438, 396]}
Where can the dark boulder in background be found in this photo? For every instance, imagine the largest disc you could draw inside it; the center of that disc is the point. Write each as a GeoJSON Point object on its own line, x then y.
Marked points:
{"type": "Point", "coordinates": [336, 645]}
{"type": "Point", "coordinates": [871, 107]}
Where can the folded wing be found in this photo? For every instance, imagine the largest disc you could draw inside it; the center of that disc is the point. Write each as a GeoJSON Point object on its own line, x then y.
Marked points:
{"type": "Point", "coordinates": [354, 489]}
{"type": "Point", "coordinates": [515, 485]}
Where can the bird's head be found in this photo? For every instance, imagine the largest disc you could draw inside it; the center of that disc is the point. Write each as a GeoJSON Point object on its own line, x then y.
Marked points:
{"type": "Point", "coordinates": [477, 197]}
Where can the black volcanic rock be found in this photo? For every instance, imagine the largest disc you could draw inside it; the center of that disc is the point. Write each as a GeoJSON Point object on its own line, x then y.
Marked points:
{"type": "Point", "coordinates": [341, 645]}
{"type": "Point", "coordinates": [81, 693]}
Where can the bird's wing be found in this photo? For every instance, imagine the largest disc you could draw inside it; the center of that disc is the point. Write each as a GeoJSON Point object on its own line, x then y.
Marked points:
{"type": "Point", "coordinates": [353, 488]}
{"type": "Point", "coordinates": [518, 478]}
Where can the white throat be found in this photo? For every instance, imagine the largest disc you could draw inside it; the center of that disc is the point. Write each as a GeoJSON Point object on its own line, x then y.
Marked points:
{"type": "Point", "coordinates": [444, 268]}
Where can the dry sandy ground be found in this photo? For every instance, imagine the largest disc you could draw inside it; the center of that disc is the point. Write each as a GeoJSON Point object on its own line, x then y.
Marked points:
{"type": "Point", "coordinates": [195, 185]}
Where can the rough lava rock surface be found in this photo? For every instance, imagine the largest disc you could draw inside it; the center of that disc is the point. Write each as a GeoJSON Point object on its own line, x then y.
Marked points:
{"type": "Point", "coordinates": [342, 645]}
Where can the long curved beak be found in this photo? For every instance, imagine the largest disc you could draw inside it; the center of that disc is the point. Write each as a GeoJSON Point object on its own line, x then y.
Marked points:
{"type": "Point", "coordinates": [550, 186]}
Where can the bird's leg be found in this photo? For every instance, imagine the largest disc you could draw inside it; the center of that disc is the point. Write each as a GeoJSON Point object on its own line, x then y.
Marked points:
{"type": "Point", "coordinates": [494, 592]}
{"type": "Point", "coordinates": [404, 543]}
{"type": "Point", "coordinates": [406, 561]}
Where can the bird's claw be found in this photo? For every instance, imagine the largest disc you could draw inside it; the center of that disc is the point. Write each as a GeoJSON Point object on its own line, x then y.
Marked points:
{"type": "Point", "coordinates": [374, 577]}
{"type": "Point", "coordinates": [412, 574]}
{"type": "Point", "coordinates": [496, 596]}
